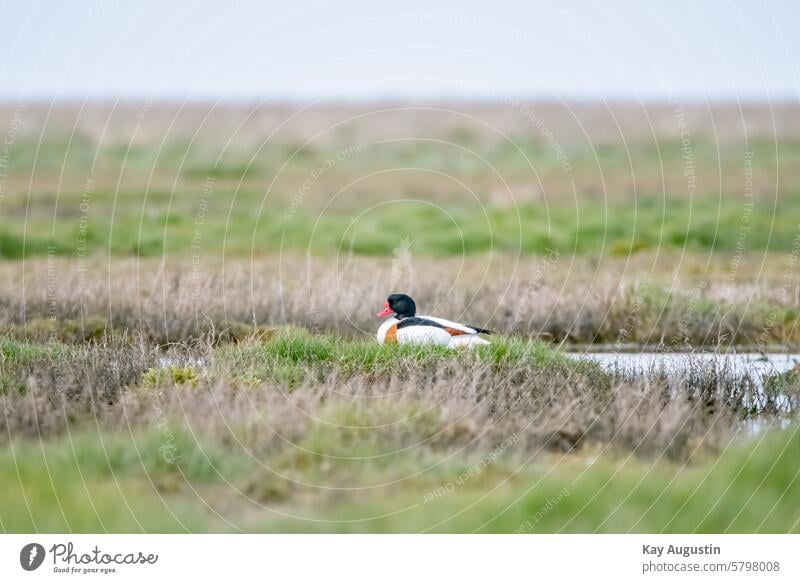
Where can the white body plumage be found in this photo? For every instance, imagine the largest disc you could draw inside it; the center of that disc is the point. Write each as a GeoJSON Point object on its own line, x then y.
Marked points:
{"type": "Point", "coordinates": [447, 333]}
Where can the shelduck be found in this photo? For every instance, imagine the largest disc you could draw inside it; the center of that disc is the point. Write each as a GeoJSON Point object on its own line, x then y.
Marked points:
{"type": "Point", "coordinates": [405, 327]}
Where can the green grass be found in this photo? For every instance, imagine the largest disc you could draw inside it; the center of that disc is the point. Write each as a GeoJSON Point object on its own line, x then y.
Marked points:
{"type": "Point", "coordinates": [95, 483]}
{"type": "Point", "coordinates": [121, 483]}
{"type": "Point", "coordinates": [14, 352]}
{"type": "Point", "coordinates": [616, 228]}
{"type": "Point", "coordinates": [751, 488]}
{"type": "Point", "coordinates": [18, 359]}
{"type": "Point", "coordinates": [295, 355]}
{"type": "Point", "coordinates": [194, 198]}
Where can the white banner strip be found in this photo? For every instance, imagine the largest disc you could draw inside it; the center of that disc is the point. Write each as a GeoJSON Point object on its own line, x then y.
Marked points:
{"type": "Point", "coordinates": [400, 558]}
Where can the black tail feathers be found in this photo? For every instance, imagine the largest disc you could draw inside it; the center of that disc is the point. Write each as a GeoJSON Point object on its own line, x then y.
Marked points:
{"type": "Point", "coordinates": [481, 330]}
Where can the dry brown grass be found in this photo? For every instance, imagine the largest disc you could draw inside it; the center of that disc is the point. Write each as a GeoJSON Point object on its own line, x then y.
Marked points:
{"type": "Point", "coordinates": [668, 300]}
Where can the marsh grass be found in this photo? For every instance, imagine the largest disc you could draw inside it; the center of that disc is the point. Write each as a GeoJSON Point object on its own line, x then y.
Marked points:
{"type": "Point", "coordinates": [510, 384]}
{"type": "Point", "coordinates": [783, 391]}
{"type": "Point", "coordinates": [326, 428]}
{"type": "Point", "coordinates": [294, 355]}
{"type": "Point", "coordinates": [570, 301]}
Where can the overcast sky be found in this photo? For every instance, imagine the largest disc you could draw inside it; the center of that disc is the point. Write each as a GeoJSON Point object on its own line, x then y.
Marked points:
{"type": "Point", "coordinates": [338, 50]}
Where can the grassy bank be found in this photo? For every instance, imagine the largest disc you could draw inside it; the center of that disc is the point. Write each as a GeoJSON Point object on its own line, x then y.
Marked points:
{"type": "Point", "coordinates": [308, 432]}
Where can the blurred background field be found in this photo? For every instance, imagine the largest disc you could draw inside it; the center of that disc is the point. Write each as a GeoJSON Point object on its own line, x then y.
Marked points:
{"type": "Point", "coordinates": [454, 179]}
{"type": "Point", "coordinates": [586, 223]}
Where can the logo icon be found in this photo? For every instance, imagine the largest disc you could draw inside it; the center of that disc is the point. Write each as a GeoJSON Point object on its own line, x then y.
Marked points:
{"type": "Point", "coordinates": [31, 556]}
